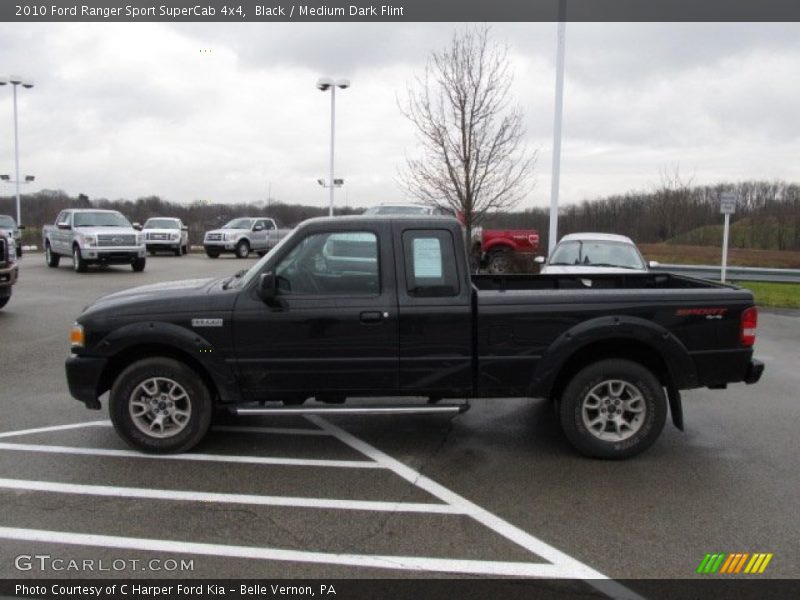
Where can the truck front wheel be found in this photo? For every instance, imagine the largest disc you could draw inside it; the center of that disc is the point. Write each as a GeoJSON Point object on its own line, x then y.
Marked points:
{"type": "Point", "coordinates": [613, 409]}
{"type": "Point", "coordinates": [243, 249]}
{"type": "Point", "coordinates": [160, 405]}
{"type": "Point", "coordinates": [4, 301]}
{"type": "Point", "coordinates": [78, 264]}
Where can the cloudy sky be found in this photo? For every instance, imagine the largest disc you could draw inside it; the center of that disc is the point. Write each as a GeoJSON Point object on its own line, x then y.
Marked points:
{"type": "Point", "coordinates": [128, 110]}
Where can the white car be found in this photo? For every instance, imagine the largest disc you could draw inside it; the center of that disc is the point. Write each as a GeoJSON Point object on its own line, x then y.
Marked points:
{"type": "Point", "coordinates": [580, 253]}
{"type": "Point", "coordinates": [402, 208]}
{"type": "Point", "coordinates": [166, 233]}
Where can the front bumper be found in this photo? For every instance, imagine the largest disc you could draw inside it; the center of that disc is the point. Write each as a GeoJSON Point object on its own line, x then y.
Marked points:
{"type": "Point", "coordinates": [220, 246]}
{"type": "Point", "coordinates": [113, 254]}
{"type": "Point", "coordinates": [83, 378]}
{"type": "Point", "coordinates": [754, 371]}
{"type": "Point", "coordinates": [8, 276]}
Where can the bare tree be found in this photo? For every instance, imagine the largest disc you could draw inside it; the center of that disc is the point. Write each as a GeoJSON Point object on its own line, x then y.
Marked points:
{"type": "Point", "coordinates": [472, 157]}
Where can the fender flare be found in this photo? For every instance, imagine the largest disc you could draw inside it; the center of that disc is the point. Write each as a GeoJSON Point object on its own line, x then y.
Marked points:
{"type": "Point", "coordinates": [182, 340]}
{"type": "Point", "coordinates": [680, 366]}
{"type": "Point", "coordinates": [495, 245]}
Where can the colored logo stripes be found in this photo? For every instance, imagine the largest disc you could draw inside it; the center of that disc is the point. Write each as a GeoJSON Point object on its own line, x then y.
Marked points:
{"type": "Point", "coordinates": [734, 563]}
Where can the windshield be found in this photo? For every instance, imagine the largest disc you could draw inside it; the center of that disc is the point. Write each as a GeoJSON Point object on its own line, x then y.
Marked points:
{"type": "Point", "coordinates": [99, 219]}
{"type": "Point", "coordinates": [7, 222]}
{"type": "Point", "coordinates": [161, 224]}
{"type": "Point", "coordinates": [259, 266]}
{"type": "Point", "coordinates": [597, 253]}
{"type": "Point", "coordinates": [239, 224]}
{"type": "Point", "coordinates": [409, 209]}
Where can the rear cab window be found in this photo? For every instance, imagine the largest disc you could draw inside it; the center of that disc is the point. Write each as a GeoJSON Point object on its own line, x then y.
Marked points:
{"type": "Point", "coordinates": [431, 267]}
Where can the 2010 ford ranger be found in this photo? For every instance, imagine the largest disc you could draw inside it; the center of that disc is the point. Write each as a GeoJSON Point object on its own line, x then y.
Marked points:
{"type": "Point", "coordinates": [386, 307]}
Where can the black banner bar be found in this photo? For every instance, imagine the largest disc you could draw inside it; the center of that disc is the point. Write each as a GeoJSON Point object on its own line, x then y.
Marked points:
{"type": "Point", "coordinates": [232, 11]}
{"type": "Point", "coordinates": [396, 589]}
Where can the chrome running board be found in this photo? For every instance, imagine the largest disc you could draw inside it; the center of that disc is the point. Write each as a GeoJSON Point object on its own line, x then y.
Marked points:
{"type": "Point", "coordinates": [408, 409]}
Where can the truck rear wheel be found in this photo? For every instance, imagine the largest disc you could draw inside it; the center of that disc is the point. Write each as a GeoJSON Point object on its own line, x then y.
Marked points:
{"type": "Point", "coordinates": [613, 408]}
{"type": "Point", "coordinates": [500, 262]}
{"type": "Point", "coordinates": [160, 405]}
{"type": "Point", "coordinates": [4, 300]}
{"type": "Point", "coordinates": [51, 257]}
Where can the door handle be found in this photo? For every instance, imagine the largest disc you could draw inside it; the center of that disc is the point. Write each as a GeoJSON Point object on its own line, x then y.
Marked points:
{"type": "Point", "coordinates": [373, 316]}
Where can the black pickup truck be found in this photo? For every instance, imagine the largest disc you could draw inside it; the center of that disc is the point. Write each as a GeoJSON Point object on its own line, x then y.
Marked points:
{"type": "Point", "coordinates": [387, 308]}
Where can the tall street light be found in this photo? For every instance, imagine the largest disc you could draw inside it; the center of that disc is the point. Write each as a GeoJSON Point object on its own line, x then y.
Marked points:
{"type": "Point", "coordinates": [552, 237]}
{"type": "Point", "coordinates": [16, 80]}
{"type": "Point", "coordinates": [324, 84]}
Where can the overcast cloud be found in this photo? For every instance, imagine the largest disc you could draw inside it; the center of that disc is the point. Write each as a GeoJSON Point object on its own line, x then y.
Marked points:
{"type": "Point", "coordinates": [128, 110]}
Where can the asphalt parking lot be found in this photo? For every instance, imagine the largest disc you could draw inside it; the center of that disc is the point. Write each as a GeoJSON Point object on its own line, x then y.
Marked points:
{"type": "Point", "coordinates": [496, 491]}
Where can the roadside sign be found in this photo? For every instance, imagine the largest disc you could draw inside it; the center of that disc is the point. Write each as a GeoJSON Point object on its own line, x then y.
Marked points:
{"type": "Point", "coordinates": [727, 206]}
{"type": "Point", "coordinates": [727, 203]}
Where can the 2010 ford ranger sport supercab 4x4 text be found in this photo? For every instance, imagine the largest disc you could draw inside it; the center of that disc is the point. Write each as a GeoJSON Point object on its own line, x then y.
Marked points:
{"type": "Point", "coordinates": [386, 307]}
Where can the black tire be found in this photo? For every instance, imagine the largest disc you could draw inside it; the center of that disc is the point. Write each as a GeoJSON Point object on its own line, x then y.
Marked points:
{"type": "Point", "coordinates": [151, 252]}
{"type": "Point", "coordinates": [177, 251]}
{"type": "Point", "coordinates": [198, 399]}
{"type": "Point", "coordinates": [212, 253]}
{"type": "Point", "coordinates": [51, 257]}
{"type": "Point", "coordinates": [78, 264]}
{"type": "Point", "coordinates": [185, 249]}
{"type": "Point", "coordinates": [4, 301]}
{"type": "Point", "coordinates": [500, 262]}
{"type": "Point", "coordinates": [138, 264]}
{"type": "Point", "coordinates": [651, 401]}
{"type": "Point", "coordinates": [243, 249]}
{"type": "Point", "coordinates": [19, 251]}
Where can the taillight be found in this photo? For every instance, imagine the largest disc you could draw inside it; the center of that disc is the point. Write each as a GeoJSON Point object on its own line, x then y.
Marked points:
{"type": "Point", "coordinates": [747, 326]}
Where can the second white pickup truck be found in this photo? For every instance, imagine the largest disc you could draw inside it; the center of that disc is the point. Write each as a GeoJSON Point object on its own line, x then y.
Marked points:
{"type": "Point", "coordinates": [93, 236]}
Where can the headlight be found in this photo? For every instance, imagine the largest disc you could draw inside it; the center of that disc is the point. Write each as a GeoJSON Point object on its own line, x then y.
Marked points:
{"type": "Point", "coordinates": [12, 252]}
{"type": "Point", "coordinates": [139, 239]}
{"type": "Point", "coordinates": [174, 236]}
{"type": "Point", "coordinates": [77, 336]}
{"type": "Point", "coordinates": [90, 240]}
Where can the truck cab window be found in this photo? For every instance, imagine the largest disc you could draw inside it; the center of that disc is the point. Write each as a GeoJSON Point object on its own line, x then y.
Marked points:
{"type": "Point", "coordinates": [331, 264]}
{"type": "Point", "coordinates": [431, 269]}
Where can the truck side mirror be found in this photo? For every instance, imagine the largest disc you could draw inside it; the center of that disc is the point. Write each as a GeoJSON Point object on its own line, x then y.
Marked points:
{"type": "Point", "coordinates": [63, 226]}
{"type": "Point", "coordinates": [137, 226]}
{"type": "Point", "coordinates": [653, 264]}
{"type": "Point", "coordinates": [184, 228]}
{"type": "Point", "coordinates": [258, 228]}
{"type": "Point", "coordinates": [267, 288]}
{"type": "Point", "coordinates": [539, 260]}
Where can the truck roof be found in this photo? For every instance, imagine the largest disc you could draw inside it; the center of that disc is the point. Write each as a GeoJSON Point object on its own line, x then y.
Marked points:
{"type": "Point", "coordinates": [606, 237]}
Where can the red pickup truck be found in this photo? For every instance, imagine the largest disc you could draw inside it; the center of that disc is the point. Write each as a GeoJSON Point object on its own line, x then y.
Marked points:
{"type": "Point", "coordinates": [496, 247]}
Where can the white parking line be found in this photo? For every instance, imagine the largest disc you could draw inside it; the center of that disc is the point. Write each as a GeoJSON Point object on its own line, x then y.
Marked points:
{"type": "Point", "coordinates": [7, 434]}
{"type": "Point", "coordinates": [213, 497]}
{"type": "Point", "coordinates": [253, 460]}
{"type": "Point", "coordinates": [405, 563]}
{"type": "Point", "coordinates": [565, 563]}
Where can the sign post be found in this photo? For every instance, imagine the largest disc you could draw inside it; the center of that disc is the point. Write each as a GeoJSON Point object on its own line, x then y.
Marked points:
{"type": "Point", "coordinates": [727, 206]}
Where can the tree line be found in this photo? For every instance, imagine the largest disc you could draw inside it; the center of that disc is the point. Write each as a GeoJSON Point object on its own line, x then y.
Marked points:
{"type": "Point", "coordinates": [767, 214]}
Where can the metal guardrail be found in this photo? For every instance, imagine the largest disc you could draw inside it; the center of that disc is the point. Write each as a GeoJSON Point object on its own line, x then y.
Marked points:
{"type": "Point", "coordinates": [733, 273]}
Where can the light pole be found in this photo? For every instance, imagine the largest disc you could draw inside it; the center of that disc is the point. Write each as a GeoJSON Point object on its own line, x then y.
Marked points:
{"type": "Point", "coordinates": [16, 80]}
{"type": "Point", "coordinates": [555, 180]}
{"type": "Point", "coordinates": [324, 84]}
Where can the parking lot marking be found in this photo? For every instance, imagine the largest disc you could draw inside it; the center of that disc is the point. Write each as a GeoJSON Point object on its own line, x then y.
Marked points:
{"type": "Point", "coordinates": [405, 563]}
{"type": "Point", "coordinates": [7, 434]}
{"type": "Point", "coordinates": [215, 497]}
{"type": "Point", "coordinates": [574, 568]}
{"type": "Point", "coordinates": [253, 460]}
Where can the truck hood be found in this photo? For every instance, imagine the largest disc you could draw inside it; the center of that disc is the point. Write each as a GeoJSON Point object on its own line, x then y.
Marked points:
{"type": "Point", "coordinates": [585, 270]}
{"type": "Point", "coordinates": [186, 295]}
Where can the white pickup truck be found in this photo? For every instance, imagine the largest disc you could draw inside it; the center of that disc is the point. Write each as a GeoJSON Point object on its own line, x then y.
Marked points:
{"type": "Point", "coordinates": [244, 235]}
{"type": "Point", "coordinates": [93, 236]}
